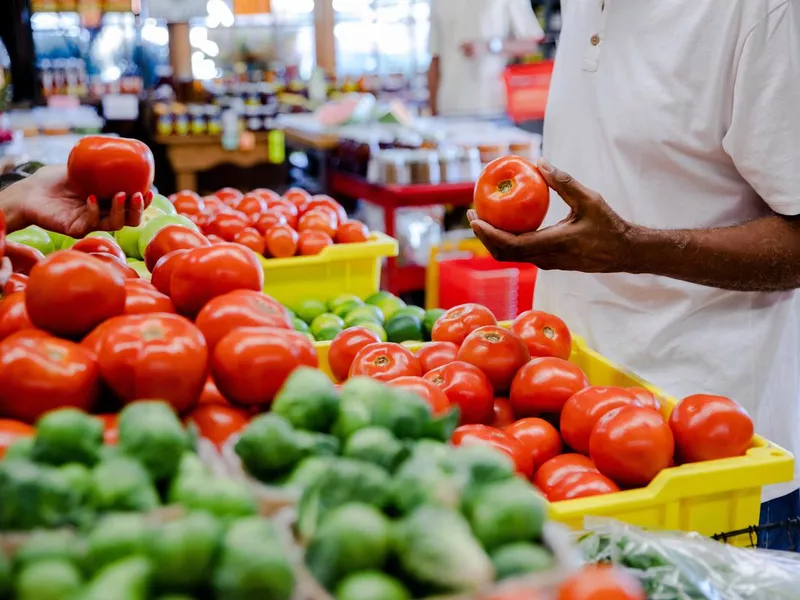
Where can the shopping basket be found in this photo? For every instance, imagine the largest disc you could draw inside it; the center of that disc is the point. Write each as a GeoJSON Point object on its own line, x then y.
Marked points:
{"type": "Point", "coordinates": [527, 88]}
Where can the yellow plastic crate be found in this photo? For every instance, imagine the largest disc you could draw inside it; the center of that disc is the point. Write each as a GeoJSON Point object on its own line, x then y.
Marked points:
{"type": "Point", "coordinates": [709, 498]}
{"type": "Point", "coordinates": [340, 269]}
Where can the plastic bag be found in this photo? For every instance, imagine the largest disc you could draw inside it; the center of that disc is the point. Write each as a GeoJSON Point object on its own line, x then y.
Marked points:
{"type": "Point", "coordinates": [679, 566]}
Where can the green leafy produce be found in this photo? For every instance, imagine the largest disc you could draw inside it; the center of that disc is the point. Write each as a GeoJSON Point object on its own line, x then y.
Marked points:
{"type": "Point", "coordinates": [221, 496]}
{"type": "Point", "coordinates": [371, 585]}
{"type": "Point", "coordinates": [354, 537]}
{"type": "Point", "coordinates": [50, 579]}
{"type": "Point", "coordinates": [122, 484]}
{"type": "Point", "coordinates": [57, 544]}
{"type": "Point", "coordinates": [78, 477]}
{"type": "Point", "coordinates": [479, 465]}
{"type": "Point", "coordinates": [6, 580]}
{"type": "Point", "coordinates": [441, 427]}
{"type": "Point", "coordinates": [252, 563]}
{"type": "Point", "coordinates": [308, 400]}
{"type": "Point", "coordinates": [423, 479]}
{"type": "Point", "coordinates": [506, 512]}
{"type": "Point", "coordinates": [67, 435]}
{"type": "Point", "coordinates": [33, 495]}
{"type": "Point", "coordinates": [269, 447]}
{"type": "Point", "coordinates": [377, 445]}
{"type": "Point", "coordinates": [318, 444]}
{"type": "Point", "coordinates": [308, 471]}
{"type": "Point", "coordinates": [127, 579]}
{"type": "Point", "coordinates": [521, 558]}
{"type": "Point", "coordinates": [115, 537]}
{"type": "Point", "coordinates": [152, 433]}
{"type": "Point", "coordinates": [436, 548]}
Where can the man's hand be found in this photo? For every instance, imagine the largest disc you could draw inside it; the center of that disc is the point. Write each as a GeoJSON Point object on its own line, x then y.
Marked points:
{"type": "Point", "coordinates": [592, 239]}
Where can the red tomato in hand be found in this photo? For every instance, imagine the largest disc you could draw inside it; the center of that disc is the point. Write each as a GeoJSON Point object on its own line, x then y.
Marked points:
{"type": "Point", "coordinates": [311, 242]}
{"type": "Point", "coordinates": [110, 428]}
{"type": "Point", "coordinates": [241, 308]}
{"type": "Point", "coordinates": [299, 198]}
{"type": "Point", "coordinates": [161, 276]}
{"type": "Point", "coordinates": [467, 387]}
{"type": "Point", "coordinates": [153, 356]}
{"type": "Point", "coordinates": [601, 582]}
{"type": "Point", "coordinates": [281, 242]}
{"type": "Point", "coordinates": [483, 435]}
{"type": "Point", "coordinates": [541, 440]}
{"type": "Point", "coordinates": [169, 239]}
{"type": "Point", "coordinates": [218, 423]}
{"type": "Point", "coordinates": [323, 200]}
{"type": "Point", "coordinates": [205, 273]}
{"type": "Point", "coordinates": [23, 258]}
{"type": "Point", "coordinates": [544, 334]}
{"type": "Point", "coordinates": [140, 300]}
{"type": "Point", "coordinates": [250, 364]}
{"type": "Point", "coordinates": [70, 293]}
{"type": "Point", "coordinates": [511, 195]}
{"type": "Point", "coordinates": [585, 408]}
{"type": "Point", "coordinates": [385, 361]}
{"type": "Point", "coordinates": [17, 282]}
{"type": "Point", "coordinates": [632, 445]}
{"type": "Point", "coordinates": [11, 431]}
{"type": "Point", "coordinates": [544, 385]}
{"type": "Point", "coordinates": [13, 315]}
{"type": "Point", "coordinates": [497, 352]}
{"type": "Point", "coordinates": [710, 427]}
{"type": "Point", "coordinates": [352, 232]}
{"type": "Point", "coordinates": [503, 413]}
{"type": "Point", "coordinates": [269, 220]}
{"type": "Point", "coordinates": [556, 470]}
{"type": "Point", "coordinates": [250, 238]}
{"type": "Point", "coordinates": [90, 245]}
{"type": "Point", "coordinates": [188, 203]}
{"type": "Point", "coordinates": [458, 322]}
{"type": "Point", "coordinates": [344, 348]}
{"type": "Point", "coordinates": [645, 398]}
{"type": "Point", "coordinates": [436, 354]}
{"type": "Point", "coordinates": [39, 373]}
{"type": "Point", "coordinates": [582, 485]}
{"type": "Point", "coordinates": [318, 220]}
{"type": "Point", "coordinates": [103, 166]}
{"type": "Point", "coordinates": [431, 393]}
{"type": "Point", "coordinates": [226, 225]}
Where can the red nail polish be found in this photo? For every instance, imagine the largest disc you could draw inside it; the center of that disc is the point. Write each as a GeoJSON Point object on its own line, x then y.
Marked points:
{"type": "Point", "coordinates": [91, 200]}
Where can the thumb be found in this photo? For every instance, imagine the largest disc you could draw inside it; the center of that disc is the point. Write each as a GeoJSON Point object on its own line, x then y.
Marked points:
{"type": "Point", "coordinates": [573, 193]}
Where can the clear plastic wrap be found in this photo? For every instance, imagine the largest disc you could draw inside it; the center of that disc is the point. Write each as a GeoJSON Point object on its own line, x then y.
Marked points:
{"type": "Point", "coordinates": [679, 566]}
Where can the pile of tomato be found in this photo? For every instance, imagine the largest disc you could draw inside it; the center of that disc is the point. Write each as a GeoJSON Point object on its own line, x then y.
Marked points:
{"type": "Point", "coordinates": [274, 226]}
{"type": "Point", "coordinates": [517, 391]}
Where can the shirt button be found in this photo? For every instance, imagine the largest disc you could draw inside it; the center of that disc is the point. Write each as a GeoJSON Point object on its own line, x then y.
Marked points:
{"type": "Point", "coordinates": [595, 39]}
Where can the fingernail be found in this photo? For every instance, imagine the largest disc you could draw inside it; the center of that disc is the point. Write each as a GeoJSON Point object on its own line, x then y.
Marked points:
{"type": "Point", "coordinates": [91, 200]}
{"type": "Point", "coordinates": [471, 215]}
{"type": "Point", "coordinates": [545, 166]}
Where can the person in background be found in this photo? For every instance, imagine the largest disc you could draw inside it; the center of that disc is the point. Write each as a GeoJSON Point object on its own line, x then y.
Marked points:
{"type": "Point", "coordinates": [678, 253]}
{"type": "Point", "coordinates": [470, 44]}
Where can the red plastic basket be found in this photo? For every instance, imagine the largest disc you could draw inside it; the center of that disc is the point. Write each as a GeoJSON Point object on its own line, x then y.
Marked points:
{"type": "Point", "coordinates": [527, 88]}
{"type": "Point", "coordinates": [505, 288]}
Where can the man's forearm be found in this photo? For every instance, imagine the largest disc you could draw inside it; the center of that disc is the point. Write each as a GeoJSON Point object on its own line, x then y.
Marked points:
{"type": "Point", "coordinates": [760, 255]}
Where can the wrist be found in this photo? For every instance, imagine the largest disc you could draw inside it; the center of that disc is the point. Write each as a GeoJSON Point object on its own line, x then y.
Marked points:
{"type": "Point", "coordinates": [12, 205]}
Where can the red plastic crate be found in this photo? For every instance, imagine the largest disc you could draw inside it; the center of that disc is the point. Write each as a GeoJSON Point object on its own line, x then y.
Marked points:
{"type": "Point", "coordinates": [527, 89]}
{"type": "Point", "coordinates": [505, 288]}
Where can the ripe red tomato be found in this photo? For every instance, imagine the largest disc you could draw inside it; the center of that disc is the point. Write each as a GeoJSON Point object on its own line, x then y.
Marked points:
{"type": "Point", "coordinates": [458, 322]}
{"type": "Point", "coordinates": [352, 232]}
{"type": "Point", "coordinates": [211, 394]}
{"type": "Point", "coordinates": [269, 196]}
{"type": "Point", "coordinates": [503, 413]}
{"type": "Point", "coordinates": [544, 334]}
{"type": "Point", "coordinates": [161, 276]}
{"type": "Point", "coordinates": [710, 427]}
{"type": "Point", "coordinates": [205, 273]}
{"type": "Point", "coordinates": [153, 356]}
{"type": "Point", "coordinates": [252, 205]}
{"type": "Point", "coordinates": [467, 387]}
{"type": "Point", "coordinates": [544, 385]}
{"type": "Point", "coordinates": [582, 485]}
{"type": "Point", "coordinates": [241, 308]}
{"type": "Point", "coordinates": [304, 348]}
{"type": "Point", "coordinates": [318, 220]}
{"type": "Point", "coordinates": [385, 361]}
{"type": "Point", "coordinates": [23, 258]}
{"type": "Point", "coordinates": [299, 198]}
{"type": "Point", "coordinates": [483, 435]}
{"type": "Point", "coordinates": [312, 242]}
{"type": "Point", "coordinates": [433, 394]}
{"type": "Point", "coordinates": [213, 205]}
{"type": "Point", "coordinates": [110, 428]}
{"type": "Point", "coordinates": [512, 195]}
{"type": "Point", "coordinates": [585, 408]}
{"type": "Point", "coordinates": [281, 241]}
{"type": "Point", "coordinates": [226, 225]}
{"type": "Point", "coordinates": [120, 266]}
{"type": "Point", "coordinates": [11, 431]}
{"type": "Point", "coordinates": [229, 195]}
{"type": "Point", "coordinates": [557, 469]}
{"type": "Point", "coordinates": [645, 398]}
{"type": "Point", "coordinates": [218, 423]}
{"type": "Point", "coordinates": [497, 352]}
{"type": "Point", "coordinates": [169, 239]}
{"type": "Point", "coordinates": [632, 445]}
{"type": "Point", "coordinates": [250, 364]}
{"type": "Point", "coordinates": [436, 354]}
{"type": "Point", "coordinates": [70, 293]}
{"type": "Point", "coordinates": [250, 238]}
{"type": "Point", "coordinates": [268, 221]}
{"type": "Point", "coordinates": [17, 282]}
{"type": "Point", "coordinates": [601, 582]}
{"type": "Point", "coordinates": [323, 200]}
{"type": "Point", "coordinates": [90, 245]}
{"type": "Point", "coordinates": [103, 166]}
{"type": "Point", "coordinates": [540, 439]}
{"type": "Point", "coordinates": [39, 373]}
{"type": "Point", "coordinates": [13, 315]}
{"type": "Point", "coordinates": [188, 203]}
{"type": "Point", "coordinates": [140, 299]}
{"type": "Point", "coordinates": [344, 348]}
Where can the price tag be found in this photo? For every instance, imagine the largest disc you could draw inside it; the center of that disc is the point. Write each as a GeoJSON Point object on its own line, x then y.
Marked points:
{"type": "Point", "coordinates": [177, 11]}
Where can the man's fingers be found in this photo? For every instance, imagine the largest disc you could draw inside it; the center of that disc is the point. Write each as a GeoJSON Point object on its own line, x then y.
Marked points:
{"type": "Point", "coordinates": [571, 191]}
{"type": "Point", "coordinates": [92, 213]}
{"type": "Point", "coordinates": [116, 217]}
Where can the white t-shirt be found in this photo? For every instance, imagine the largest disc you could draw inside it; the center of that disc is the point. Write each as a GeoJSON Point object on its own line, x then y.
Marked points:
{"type": "Point", "coordinates": [684, 115]}
{"type": "Point", "coordinates": [474, 86]}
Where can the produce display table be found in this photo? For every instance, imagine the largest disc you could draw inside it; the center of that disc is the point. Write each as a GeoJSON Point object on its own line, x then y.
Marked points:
{"type": "Point", "coordinates": [397, 279]}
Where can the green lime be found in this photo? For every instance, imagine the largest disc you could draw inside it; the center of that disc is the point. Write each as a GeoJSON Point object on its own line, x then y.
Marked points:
{"type": "Point", "coordinates": [299, 325]}
{"type": "Point", "coordinates": [371, 585]}
{"type": "Point", "coordinates": [364, 313]}
{"type": "Point", "coordinates": [414, 311]}
{"type": "Point", "coordinates": [344, 299]}
{"type": "Point", "coordinates": [389, 306]}
{"type": "Point", "coordinates": [374, 327]}
{"type": "Point", "coordinates": [326, 321]}
{"type": "Point", "coordinates": [521, 558]}
{"type": "Point", "coordinates": [404, 328]}
{"type": "Point", "coordinates": [308, 310]}
{"type": "Point", "coordinates": [429, 320]}
{"type": "Point", "coordinates": [347, 307]}
{"type": "Point", "coordinates": [379, 297]}
{"type": "Point", "coordinates": [327, 334]}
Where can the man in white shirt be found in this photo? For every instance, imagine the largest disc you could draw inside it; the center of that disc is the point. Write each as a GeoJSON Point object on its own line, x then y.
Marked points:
{"type": "Point", "coordinates": [681, 121]}
{"type": "Point", "coordinates": [470, 44]}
